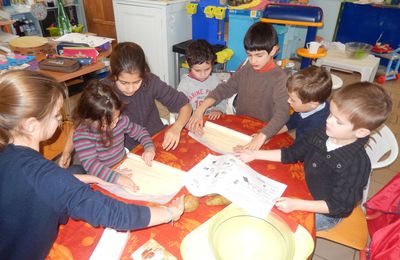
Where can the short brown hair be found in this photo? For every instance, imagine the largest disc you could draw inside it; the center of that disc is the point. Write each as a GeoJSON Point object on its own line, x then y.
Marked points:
{"type": "Point", "coordinates": [311, 84]}
{"type": "Point", "coordinates": [366, 104]}
{"type": "Point", "coordinates": [198, 52]}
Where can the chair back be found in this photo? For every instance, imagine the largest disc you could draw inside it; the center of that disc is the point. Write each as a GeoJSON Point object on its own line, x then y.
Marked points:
{"type": "Point", "coordinates": [382, 148]}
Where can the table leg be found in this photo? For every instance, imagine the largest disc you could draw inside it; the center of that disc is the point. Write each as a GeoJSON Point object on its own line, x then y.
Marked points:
{"type": "Point", "coordinates": [177, 70]}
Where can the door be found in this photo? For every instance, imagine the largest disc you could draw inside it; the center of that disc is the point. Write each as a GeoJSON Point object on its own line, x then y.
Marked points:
{"type": "Point", "coordinates": [100, 17]}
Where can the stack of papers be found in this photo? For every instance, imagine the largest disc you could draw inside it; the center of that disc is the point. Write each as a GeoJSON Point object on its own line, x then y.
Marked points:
{"type": "Point", "coordinates": [92, 41]}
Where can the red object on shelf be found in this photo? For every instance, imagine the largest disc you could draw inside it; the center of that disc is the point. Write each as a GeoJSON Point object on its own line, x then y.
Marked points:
{"type": "Point", "coordinates": [382, 48]}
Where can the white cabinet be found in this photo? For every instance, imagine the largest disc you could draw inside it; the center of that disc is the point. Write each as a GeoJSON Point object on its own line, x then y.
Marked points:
{"type": "Point", "coordinates": [156, 26]}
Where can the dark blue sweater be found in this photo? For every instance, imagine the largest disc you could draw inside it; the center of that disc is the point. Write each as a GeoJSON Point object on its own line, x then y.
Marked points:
{"type": "Point", "coordinates": [310, 123]}
{"type": "Point", "coordinates": [36, 196]}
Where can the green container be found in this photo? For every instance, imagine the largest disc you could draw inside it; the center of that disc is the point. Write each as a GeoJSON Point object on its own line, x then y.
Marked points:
{"type": "Point", "coordinates": [55, 31]}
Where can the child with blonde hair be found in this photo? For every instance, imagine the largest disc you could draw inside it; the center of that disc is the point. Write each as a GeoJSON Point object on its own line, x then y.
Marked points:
{"type": "Point", "coordinates": [37, 195]}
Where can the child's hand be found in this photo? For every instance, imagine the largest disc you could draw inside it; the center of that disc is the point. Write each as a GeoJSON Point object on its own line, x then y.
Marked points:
{"type": "Point", "coordinates": [177, 207]}
{"type": "Point", "coordinates": [246, 155]}
{"type": "Point", "coordinates": [255, 143]}
{"type": "Point", "coordinates": [127, 183]}
{"type": "Point", "coordinates": [285, 204]}
{"type": "Point", "coordinates": [195, 123]}
{"type": "Point", "coordinates": [148, 156]}
{"type": "Point", "coordinates": [171, 138]}
{"type": "Point", "coordinates": [65, 160]}
{"type": "Point", "coordinates": [215, 115]}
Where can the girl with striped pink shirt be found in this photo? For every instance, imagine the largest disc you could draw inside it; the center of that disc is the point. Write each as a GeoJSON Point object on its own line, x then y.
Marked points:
{"type": "Point", "coordinates": [99, 135]}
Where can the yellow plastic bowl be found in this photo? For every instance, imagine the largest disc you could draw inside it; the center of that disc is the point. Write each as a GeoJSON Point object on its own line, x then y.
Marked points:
{"type": "Point", "coordinates": [238, 236]}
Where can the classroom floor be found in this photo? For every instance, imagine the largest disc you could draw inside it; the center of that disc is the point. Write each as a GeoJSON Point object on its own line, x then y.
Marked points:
{"type": "Point", "coordinates": [326, 250]}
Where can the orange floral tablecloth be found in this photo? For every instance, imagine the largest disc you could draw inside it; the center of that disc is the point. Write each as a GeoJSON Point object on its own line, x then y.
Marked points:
{"type": "Point", "coordinates": [78, 239]}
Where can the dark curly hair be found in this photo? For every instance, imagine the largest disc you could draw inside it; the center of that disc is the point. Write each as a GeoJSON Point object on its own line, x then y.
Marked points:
{"type": "Point", "coordinates": [198, 52]}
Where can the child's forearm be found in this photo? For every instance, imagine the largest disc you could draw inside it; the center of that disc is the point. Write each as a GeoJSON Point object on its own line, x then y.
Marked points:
{"type": "Point", "coordinates": [183, 116]}
{"type": "Point", "coordinates": [208, 102]}
{"type": "Point", "coordinates": [317, 206]}
{"type": "Point", "coordinates": [269, 155]}
{"type": "Point", "coordinates": [69, 144]}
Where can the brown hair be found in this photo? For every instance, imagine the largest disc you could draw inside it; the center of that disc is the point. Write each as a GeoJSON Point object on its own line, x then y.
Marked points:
{"type": "Point", "coordinates": [96, 105]}
{"type": "Point", "coordinates": [366, 104]}
{"type": "Point", "coordinates": [198, 52]}
{"type": "Point", "coordinates": [128, 57]}
{"type": "Point", "coordinates": [311, 84]}
{"type": "Point", "coordinates": [25, 94]}
{"type": "Point", "coordinates": [259, 37]}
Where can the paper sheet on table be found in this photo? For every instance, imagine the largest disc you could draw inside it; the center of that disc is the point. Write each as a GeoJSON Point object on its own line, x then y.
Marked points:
{"type": "Point", "coordinates": [158, 183]}
{"type": "Point", "coordinates": [91, 40]}
{"type": "Point", "coordinates": [111, 245]}
{"type": "Point", "coordinates": [220, 139]}
{"type": "Point", "coordinates": [235, 180]}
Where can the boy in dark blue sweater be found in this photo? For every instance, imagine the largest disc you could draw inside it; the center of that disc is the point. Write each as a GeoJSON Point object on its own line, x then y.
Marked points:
{"type": "Point", "coordinates": [308, 91]}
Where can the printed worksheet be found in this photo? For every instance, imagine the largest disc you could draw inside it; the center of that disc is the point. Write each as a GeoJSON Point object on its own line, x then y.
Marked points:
{"type": "Point", "coordinates": [232, 178]}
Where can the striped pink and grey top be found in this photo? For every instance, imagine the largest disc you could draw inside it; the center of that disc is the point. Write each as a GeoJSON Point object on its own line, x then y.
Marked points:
{"type": "Point", "coordinates": [98, 159]}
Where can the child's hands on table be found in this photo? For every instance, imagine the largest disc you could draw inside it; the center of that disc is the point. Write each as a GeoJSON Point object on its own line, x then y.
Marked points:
{"type": "Point", "coordinates": [246, 155]}
{"type": "Point", "coordinates": [285, 204]}
{"type": "Point", "coordinates": [126, 182]}
{"type": "Point", "coordinates": [215, 115]}
{"type": "Point", "coordinates": [255, 143]}
{"type": "Point", "coordinates": [177, 207]}
{"type": "Point", "coordinates": [148, 155]}
{"type": "Point", "coordinates": [171, 138]}
{"type": "Point", "coordinates": [195, 123]}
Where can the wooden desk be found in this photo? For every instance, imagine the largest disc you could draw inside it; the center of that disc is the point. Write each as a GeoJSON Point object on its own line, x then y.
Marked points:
{"type": "Point", "coordinates": [77, 239]}
{"type": "Point", "coordinates": [63, 77]}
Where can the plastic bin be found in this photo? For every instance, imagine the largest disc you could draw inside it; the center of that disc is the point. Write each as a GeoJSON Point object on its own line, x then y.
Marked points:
{"type": "Point", "coordinates": [239, 23]}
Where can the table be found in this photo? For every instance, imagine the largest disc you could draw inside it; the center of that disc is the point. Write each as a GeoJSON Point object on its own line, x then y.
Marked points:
{"type": "Point", "coordinates": [77, 239]}
{"type": "Point", "coordinates": [63, 76]}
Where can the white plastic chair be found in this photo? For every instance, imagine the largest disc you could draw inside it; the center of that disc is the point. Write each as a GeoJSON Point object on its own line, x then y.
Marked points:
{"type": "Point", "coordinates": [171, 120]}
{"type": "Point", "coordinates": [230, 108]}
{"type": "Point", "coordinates": [382, 150]}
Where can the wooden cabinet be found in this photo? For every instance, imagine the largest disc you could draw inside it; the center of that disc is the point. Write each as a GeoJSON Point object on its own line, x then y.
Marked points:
{"type": "Point", "coordinates": [100, 17]}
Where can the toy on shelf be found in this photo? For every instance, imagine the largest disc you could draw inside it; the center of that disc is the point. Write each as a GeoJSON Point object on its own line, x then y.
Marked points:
{"type": "Point", "coordinates": [299, 15]}
{"type": "Point", "coordinates": [392, 68]}
{"type": "Point", "coordinates": [208, 20]}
